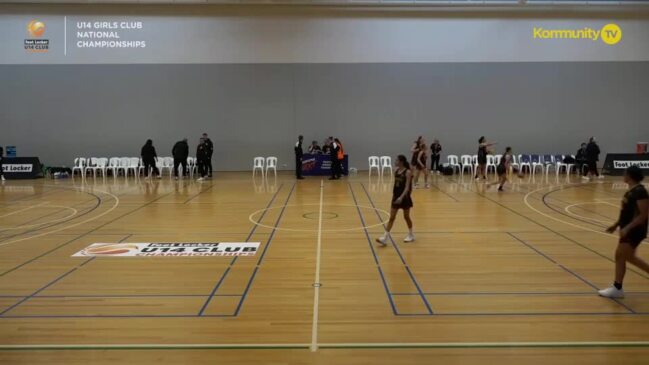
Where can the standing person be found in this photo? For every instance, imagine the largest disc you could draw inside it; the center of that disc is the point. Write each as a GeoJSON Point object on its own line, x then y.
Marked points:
{"type": "Point", "coordinates": [483, 151]}
{"type": "Point", "coordinates": [180, 152]}
{"type": "Point", "coordinates": [210, 151]}
{"type": "Point", "coordinates": [580, 158]}
{"type": "Point", "coordinates": [633, 230]}
{"type": "Point", "coordinates": [333, 154]}
{"type": "Point", "coordinates": [415, 151]}
{"type": "Point", "coordinates": [401, 199]}
{"type": "Point", "coordinates": [340, 157]}
{"type": "Point", "coordinates": [592, 156]}
{"type": "Point", "coordinates": [202, 155]}
{"type": "Point", "coordinates": [503, 167]}
{"type": "Point", "coordinates": [435, 153]}
{"type": "Point", "coordinates": [298, 158]}
{"type": "Point", "coordinates": [326, 146]}
{"type": "Point", "coordinates": [422, 166]}
{"type": "Point", "coordinates": [149, 155]}
{"type": "Point", "coordinates": [2, 174]}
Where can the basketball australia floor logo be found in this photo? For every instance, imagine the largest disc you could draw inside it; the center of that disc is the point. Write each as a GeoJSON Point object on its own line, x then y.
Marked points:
{"type": "Point", "coordinates": [35, 42]}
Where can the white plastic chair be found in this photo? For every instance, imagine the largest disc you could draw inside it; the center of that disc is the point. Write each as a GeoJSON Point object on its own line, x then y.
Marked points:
{"type": "Point", "coordinates": [491, 164]}
{"type": "Point", "coordinates": [550, 162]}
{"type": "Point", "coordinates": [124, 163]}
{"type": "Point", "coordinates": [166, 163]}
{"type": "Point", "coordinates": [271, 163]}
{"type": "Point", "coordinates": [386, 163]}
{"type": "Point", "coordinates": [523, 161]}
{"type": "Point", "coordinates": [100, 165]}
{"type": "Point", "coordinates": [514, 164]}
{"type": "Point", "coordinates": [497, 159]}
{"type": "Point", "coordinates": [454, 162]}
{"type": "Point", "coordinates": [467, 163]}
{"type": "Point", "coordinates": [113, 164]}
{"type": "Point", "coordinates": [134, 165]}
{"type": "Point", "coordinates": [258, 163]}
{"type": "Point", "coordinates": [537, 162]}
{"type": "Point", "coordinates": [80, 165]}
{"type": "Point", "coordinates": [561, 164]}
{"type": "Point", "coordinates": [374, 164]}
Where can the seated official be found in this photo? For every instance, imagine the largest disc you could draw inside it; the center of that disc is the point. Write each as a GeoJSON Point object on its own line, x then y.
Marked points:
{"type": "Point", "coordinates": [314, 149]}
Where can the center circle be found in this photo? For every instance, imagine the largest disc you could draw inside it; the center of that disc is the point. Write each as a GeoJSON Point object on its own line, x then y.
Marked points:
{"type": "Point", "coordinates": [361, 214]}
{"type": "Point", "coordinates": [316, 215]}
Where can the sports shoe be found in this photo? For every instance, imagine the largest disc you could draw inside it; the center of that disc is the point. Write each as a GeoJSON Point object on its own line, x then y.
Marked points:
{"type": "Point", "coordinates": [2, 178]}
{"type": "Point", "coordinates": [586, 178]}
{"type": "Point", "coordinates": [427, 186]}
{"type": "Point", "coordinates": [200, 179]}
{"type": "Point", "coordinates": [159, 177]}
{"type": "Point", "coordinates": [600, 176]}
{"type": "Point", "coordinates": [611, 292]}
{"type": "Point", "coordinates": [382, 240]}
{"type": "Point", "coordinates": [409, 238]}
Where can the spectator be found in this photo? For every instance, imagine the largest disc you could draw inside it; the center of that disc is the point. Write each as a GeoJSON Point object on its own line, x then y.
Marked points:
{"type": "Point", "coordinates": [149, 155]}
{"type": "Point", "coordinates": [180, 152]}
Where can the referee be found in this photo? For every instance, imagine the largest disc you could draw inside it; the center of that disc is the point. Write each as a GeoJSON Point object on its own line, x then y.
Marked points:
{"type": "Point", "coordinates": [298, 158]}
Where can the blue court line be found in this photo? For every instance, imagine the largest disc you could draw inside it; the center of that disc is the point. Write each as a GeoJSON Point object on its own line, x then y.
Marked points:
{"type": "Point", "coordinates": [43, 288]}
{"type": "Point", "coordinates": [234, 260]}
{"type": "Point", "coordinates": [581, 278]}
{"type": "Point", "coordinates": [263, 254]}
{"type": "Point", "coordinates": [376, 259]}
{"type": "Point", "coordinates": [403, 260]}
{"type": "Point", "coordinates": [53, 282]}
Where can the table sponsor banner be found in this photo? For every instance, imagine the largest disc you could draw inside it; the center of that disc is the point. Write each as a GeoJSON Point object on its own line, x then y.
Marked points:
{"type": "Point", "coordinates": [169, 249]}
{"type": "Point", "coordinates": [616, 163]}
{"type": "Point", "coordinates": [21, 167]}
{"type": "Point", "coordinates": [320, 165]}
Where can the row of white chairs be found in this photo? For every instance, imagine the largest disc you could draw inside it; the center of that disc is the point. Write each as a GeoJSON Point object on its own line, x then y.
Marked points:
{"type": "Point", "coordinates": [125, 165]}
{"type": "Point", "coordinates": [380, 164]}
{"type": "Point", "coordinates": [264, 164]}
{"type": "Point", "coordinates": [544, 163]}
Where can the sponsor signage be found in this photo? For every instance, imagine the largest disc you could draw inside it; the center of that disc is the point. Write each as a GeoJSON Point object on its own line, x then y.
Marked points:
{"type": "Point", "coordinates": [616, 163]}
{"type": "Point", "coordinates": [15, 167]}
{"type": "Point", "coordinates": [169, 249]}
{"type": "Point", "coordinates": [621, 164]}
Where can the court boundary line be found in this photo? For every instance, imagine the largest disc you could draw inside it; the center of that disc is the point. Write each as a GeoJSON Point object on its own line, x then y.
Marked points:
{"type": "Point", "coordinates": [316, 283]}
{"type": "Point", "coordinates": [234, 259]}
{"type": "Point", "coordinates": [305, 346]}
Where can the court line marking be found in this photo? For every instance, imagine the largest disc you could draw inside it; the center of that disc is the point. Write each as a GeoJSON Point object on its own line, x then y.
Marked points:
{"type": "Point", "coordinates": [567, 210]}
{"type": "Point", "coordinates": [74, 213]}
{"type": "Point", "coordinates": [561, 187]}
{"type": "Point", "coordinates": [72, 225]}
{"type": "Point", "coordinates": [282, 346]}
{"type": "Point", "coordinates": [22, 210]}
{"type": "Point", "coordinates": [377, 210]}
{"type": "Point", "coordinates": [316, 283]}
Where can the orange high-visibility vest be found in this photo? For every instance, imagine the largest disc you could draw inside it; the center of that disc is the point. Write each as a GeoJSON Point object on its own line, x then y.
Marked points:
{"type": "Point", "coordinates": [341, 152]}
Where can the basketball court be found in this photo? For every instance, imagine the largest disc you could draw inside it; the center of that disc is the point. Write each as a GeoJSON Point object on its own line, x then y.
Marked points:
{"type": "Point", "coordinates": [509, 276]}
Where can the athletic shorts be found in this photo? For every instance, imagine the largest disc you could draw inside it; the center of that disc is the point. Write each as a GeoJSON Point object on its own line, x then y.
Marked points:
{"type": "Point", "coordinates": [501, 170]}
{"type": "Point", "coordinates": [633, 240]}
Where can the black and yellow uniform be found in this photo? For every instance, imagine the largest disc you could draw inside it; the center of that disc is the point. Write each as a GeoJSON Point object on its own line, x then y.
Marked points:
{"type": "Point", "coordinates": [504, 164]}
{"type": "Point", "coordinates": [400, 180]}
{"type": "Point", "coordinates": [630, 211]}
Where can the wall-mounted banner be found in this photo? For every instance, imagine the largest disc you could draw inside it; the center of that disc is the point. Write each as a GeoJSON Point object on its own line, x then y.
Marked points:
{"type": "Point", "coordinates": [169, 249]}
{"type": "Point", "coordinates": [87, 36]}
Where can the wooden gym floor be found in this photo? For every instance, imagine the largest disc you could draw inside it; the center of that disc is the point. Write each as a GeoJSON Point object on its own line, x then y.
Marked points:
{"type": "Point", "coordinates": [507, 277]}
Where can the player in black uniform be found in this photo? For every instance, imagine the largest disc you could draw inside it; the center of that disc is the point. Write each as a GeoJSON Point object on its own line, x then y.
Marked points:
{"type": "Point", "coordinates": [483, 150]}
{"type": "Point", "coordinates": [401, 199]}
{"type": "Point", "coordinates": [435, 152]}
{"type": "Point", "coordinates": [633, 230]}
{"type": "Point", "coordinates": [298, 158]}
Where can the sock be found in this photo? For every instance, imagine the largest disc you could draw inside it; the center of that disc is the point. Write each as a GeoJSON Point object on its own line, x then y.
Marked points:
{"type": "Point", "coordinates": [617, 285]}
{"type": "Point", "coordinates": [410, 231]}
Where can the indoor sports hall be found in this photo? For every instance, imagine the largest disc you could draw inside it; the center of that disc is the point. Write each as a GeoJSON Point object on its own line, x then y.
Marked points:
{"type": "Point", "coordinates": [315, 182]}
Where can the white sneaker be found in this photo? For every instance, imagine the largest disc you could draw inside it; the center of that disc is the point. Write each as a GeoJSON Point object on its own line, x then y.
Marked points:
{"type": "Point", "coordinates": [600, 177]}
{"type": "Point", "coordinates": [382, 240]}
{"type": "Point", "coordinates": [586, 178]}
{"type": "Point", "coordinates": [409, 238]}
{"type": "Point", "coordinates": [427, 186]}
{"type": "Point", "coordinates": [200, 179]}
{"type": "Point", "coordinates": [159, 177]}
{"type": "Point", "coordinates": [2, 178]}
{"type": "Point", "coordinates": [611, 292]}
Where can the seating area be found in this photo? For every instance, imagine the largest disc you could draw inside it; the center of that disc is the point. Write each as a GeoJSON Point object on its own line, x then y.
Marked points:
{"type": "Point", "coordinates": [531, 163]}
{"type": "Point", "coordinates": [263, 165]}
{"type": "Point", "coordinates": [126, 166]}
{"type": "Point", "coordinates": [380, 164]}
